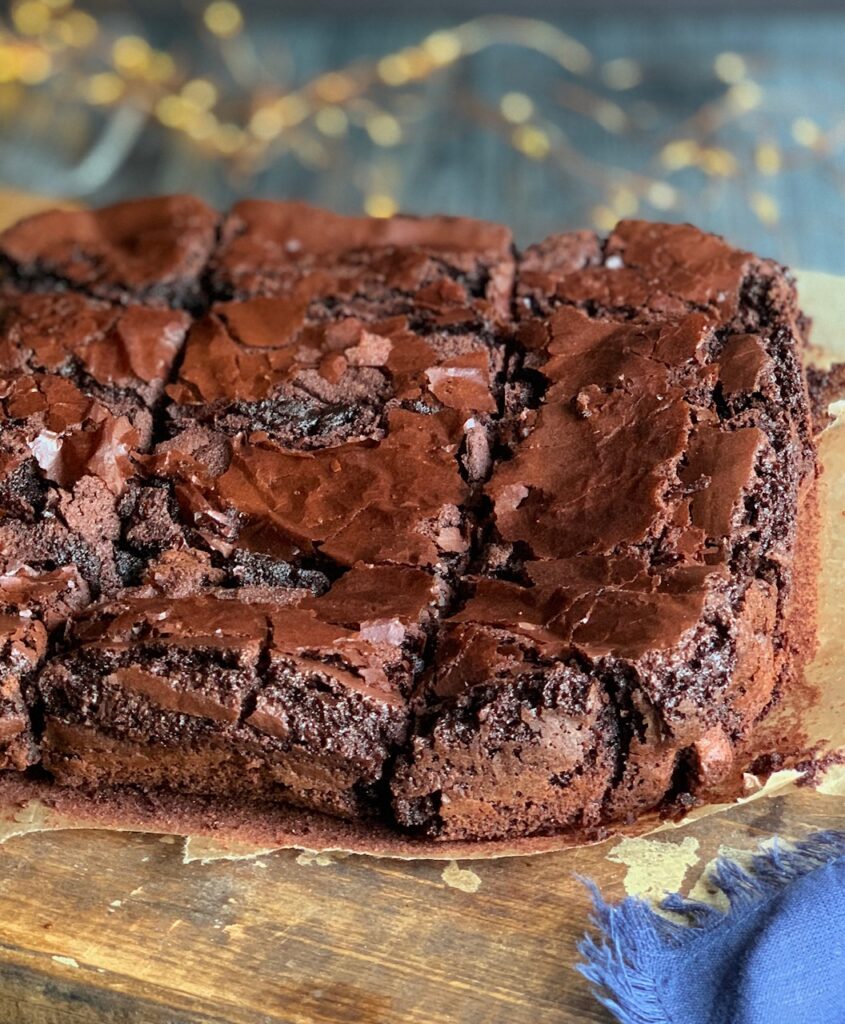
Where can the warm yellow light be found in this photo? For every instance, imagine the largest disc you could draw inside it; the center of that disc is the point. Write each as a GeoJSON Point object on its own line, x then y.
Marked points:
{"type": "Point", "coordinates": [380, 205]}
{"type": "Point", "coordinates": [131, 54]}
{"type": "Point", "coordinates": [394, 69]}
{"type": "Point", "coordinates": [335, 87]}
{"type": "Point", "coordinates": [31, 18]}
{"type": "Point", "coordinates": [266, 123]}
{"type": "Point", "coordinates": [516, 107]}
{"type": "Point", "coordinates": [610, 116]}
{"type": "Point", "coordinates": [604, 218]}
{"type": "Point", "coordinates": [531, 141]}
{"type": "Point", "coordinates": [442, 47]}
{"type": "Point", "coordinates": [624, 202]}
{"type": "Point", "coordinates": [229, 138]}
{"type": "Point", "coordinates": [384, 129]}
{"type": "Point", "coordinates": [806, 132]}
{"type": "Point", "coordinates": [679, 153]}
{"type": "Point", "coordinates": [765, 208]}
{"type": "Point", "coordinates": [78, 29]}
{"type": "Point", "coordinates": [767, 158]}
{"type": "Point", "coordinates": [661, 195]}
{"type": "Point", "coordinates": [200, 92]}
{"type": "Point", "coordinates": [331, 121]}
{"type": "Point", "coordinates": [622, 73]}
{"type": "Point", "coordinates": [9, 64]}
{"type": "Point", "coordinates": [718, 163]}
{"type": "Point", "coordinates": [223, 19]}
{"type": "Point", "coordinates": [293, 109]}
{"type": "Point", "coordinates": [104, 88]}
{"type": "Point", "coordinates": [35, 67]}
{"type": "Point", "coordinates": [730, 67]}
{"type": "Point", "coordinates": [172, 111]}
{"type": "Point", "coordinates": [744, 96]}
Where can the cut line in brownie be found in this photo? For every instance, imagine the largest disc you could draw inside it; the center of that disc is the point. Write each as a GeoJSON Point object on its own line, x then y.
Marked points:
{"type": "Point", "coordinates": [642, 532]}
{"type": "Point", "coordinates": [149, 250]}
{"type": "Point", "coordinates": [304, 704]}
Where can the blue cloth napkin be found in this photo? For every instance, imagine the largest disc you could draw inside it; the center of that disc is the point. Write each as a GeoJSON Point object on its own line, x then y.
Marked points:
{"type": "Point", "coordinates": [777, 956]}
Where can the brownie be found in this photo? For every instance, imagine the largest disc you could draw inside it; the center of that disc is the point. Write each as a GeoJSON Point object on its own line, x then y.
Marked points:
{"type": "Point", "coordinates": [640, 540]}
{"type": "Point", "coordinates": [150, 250]}
{"type": "Point", "coordinates": [120, 355]}
{"type": "Point", "coordinates": [31, 605]}
{"type": "Point", "coordinates": [438, 270]}
{"type": "Point", "coordinates": [383, 520]}
{"type": "Point", "coordinates": [64, 465]}
{"type": "Point", "coordinates": [302, 703]}
{"type": "Point", "coordinates": [262, 365]}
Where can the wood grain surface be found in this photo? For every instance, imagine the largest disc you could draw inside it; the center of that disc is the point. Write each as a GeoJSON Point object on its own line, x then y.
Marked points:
{"type": "Point", "coordinates": [109, 927]}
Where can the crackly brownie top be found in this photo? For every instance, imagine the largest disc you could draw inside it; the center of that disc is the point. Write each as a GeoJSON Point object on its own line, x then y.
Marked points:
{"type": "Point", "coordinates": [392, 501]}
{"type": "Point", "coordinates": [261, 364]}
{"type": "Point", "coordinates": [152, 248]}
{"type": "Point", "coordinates": [645, 268]}
{"type": "Point", "coordinates": [69, 435]}
{"type": "Point", "coordinates": [571, 452]}
{"type": "Point", "coordinates": [68, 333]}
{"type": "Point", "coordinates": [444, 264]}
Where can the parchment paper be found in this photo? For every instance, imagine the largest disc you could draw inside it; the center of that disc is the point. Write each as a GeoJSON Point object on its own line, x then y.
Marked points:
{"type": "Point", "coordinates": [219, 829]}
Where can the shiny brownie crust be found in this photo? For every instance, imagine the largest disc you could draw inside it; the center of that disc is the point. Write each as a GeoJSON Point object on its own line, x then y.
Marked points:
{"type": "Point", "coordinates": [383, 519]}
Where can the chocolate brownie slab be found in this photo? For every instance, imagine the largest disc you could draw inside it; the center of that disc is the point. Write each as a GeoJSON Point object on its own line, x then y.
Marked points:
{"type": "Point", "coordinates": [385, 530]}
{"type": "Point", "coordinates": [644, 530]}
{"type": "Point", "coordinates": [303, 704]}
{"type": "Point", "coordinates": [152, 250]}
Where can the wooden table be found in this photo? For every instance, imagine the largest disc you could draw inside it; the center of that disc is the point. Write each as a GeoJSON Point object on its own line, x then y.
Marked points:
{"type": "Point", "coordinates": [107, 927]}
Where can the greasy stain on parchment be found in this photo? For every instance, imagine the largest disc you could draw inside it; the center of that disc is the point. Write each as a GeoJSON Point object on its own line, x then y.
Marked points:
{"type": "Point", "coordinates": [654, 867]}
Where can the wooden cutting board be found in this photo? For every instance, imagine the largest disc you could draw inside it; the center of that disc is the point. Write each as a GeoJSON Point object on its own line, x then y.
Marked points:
{"type": "Point", "coordinates": [116, 927]}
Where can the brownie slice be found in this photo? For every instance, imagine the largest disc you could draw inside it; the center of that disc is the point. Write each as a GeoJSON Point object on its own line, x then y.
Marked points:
{"type": "Point", "coordinates": [31, 605]}
{"type": "Point", "coordinates": [397, 501]}
{"type": "Point", "coordinates": [304, 704]}
{"type": "Point", "coordinates": [641, 538]}
{"type": "Point", "coordinates": [153, 250]}
{"type": "Point", "coordinates": [434, 269]}
{"type": "Point", "coordinates": [120, 355]}
{"type": "Point", "coordinates": [64, 465]}
{"type": "Point", "coordinates": [263, 365]}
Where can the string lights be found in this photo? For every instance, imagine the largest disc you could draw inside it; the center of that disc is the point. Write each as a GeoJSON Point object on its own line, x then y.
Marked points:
{"type": "Point", "coordinates": [245, 121]}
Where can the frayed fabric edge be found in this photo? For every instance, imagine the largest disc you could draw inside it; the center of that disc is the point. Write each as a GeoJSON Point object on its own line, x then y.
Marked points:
{"type": "Point", "coordinates": [618, 962]}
